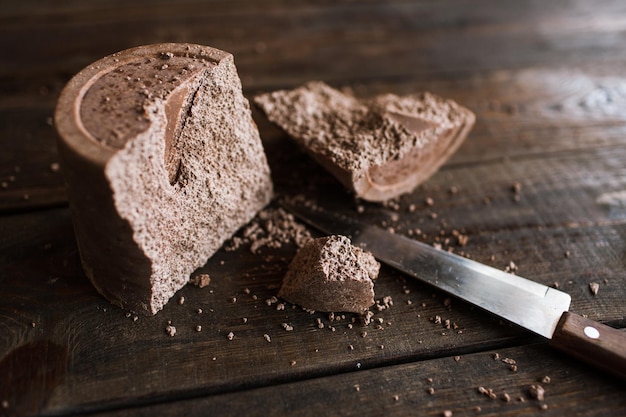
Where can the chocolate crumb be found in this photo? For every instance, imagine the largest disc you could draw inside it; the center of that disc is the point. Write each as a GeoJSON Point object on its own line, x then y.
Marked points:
{"type": "Point", "coordinates": [536, 392]}
{"type": "Point", "coordinates": [496, 356]}
{"type": "Point", "coordinates": [170, 330]}
{"type": "Point", "coordinates": [201, 280]}
{"type": "Point", "coordinates": [511, 267]}
{"type": "Point", "coordinates": [431, 391]}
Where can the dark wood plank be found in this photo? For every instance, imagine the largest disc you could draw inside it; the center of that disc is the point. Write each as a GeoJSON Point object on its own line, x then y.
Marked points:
{"type": "Point", "coordinates": [336, 41]}
{"type": "Point", "coordinates": [137, 361]}
{"type": "Point", "coordinates": [405, 390]}
{"type": "Point", "coordinates": [30, 174]}
{"type": "Point", "coordinates": [546, 81]}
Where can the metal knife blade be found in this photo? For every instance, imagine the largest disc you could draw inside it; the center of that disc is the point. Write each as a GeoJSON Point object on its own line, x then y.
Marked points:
{"type": "Point", "coordinates": [534, 306]}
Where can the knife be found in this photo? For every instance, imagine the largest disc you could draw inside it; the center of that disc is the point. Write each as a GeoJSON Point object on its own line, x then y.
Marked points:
{"type": "Point", "coordinates": [536, 307]}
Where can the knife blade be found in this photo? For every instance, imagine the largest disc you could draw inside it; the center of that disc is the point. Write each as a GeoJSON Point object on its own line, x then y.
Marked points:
{"type": "Point", "coordinates": [536, 307]}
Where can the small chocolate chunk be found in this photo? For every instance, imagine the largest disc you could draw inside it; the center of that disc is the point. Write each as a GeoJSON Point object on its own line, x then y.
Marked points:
{"type": "Point", "coordinates": [330, 274]}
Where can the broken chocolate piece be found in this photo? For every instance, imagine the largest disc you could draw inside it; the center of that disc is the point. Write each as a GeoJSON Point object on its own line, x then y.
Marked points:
{"type": "Point", "coordinates": [330, 274]}
{"type": "Point", "coordinates": [378, 148]}
{"type": "Point", "coordinates": [163, 163]}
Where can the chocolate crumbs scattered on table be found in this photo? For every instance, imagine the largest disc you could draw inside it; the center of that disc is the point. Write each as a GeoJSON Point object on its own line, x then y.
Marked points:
{"type": "Point", "coordinates": [272, 228]}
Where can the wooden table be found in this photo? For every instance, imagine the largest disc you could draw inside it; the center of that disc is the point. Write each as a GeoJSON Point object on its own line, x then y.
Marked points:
{"type": "Point", "coordinates": [536, 186]}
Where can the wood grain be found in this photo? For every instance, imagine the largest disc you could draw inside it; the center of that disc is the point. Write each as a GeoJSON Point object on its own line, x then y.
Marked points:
{"type": "Point", "coordinates": [536, 190]}
{"type": "Point", "coordinates": [406, 390]}
{"type": "Point", "coordinates": [601, 346]}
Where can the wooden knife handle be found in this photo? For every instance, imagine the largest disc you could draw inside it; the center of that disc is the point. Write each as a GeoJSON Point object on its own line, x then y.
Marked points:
{"type": "Point", "coordinates": [596, 344]}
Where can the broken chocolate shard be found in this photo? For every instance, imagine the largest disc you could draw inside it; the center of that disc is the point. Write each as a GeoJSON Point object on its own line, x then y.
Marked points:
{"type": "Point", "coordinates": [378, 148]}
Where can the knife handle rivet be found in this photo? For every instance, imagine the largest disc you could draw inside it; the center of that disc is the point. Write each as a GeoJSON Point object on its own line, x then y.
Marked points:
{"type": "Point", "coordinates": [591, 332]}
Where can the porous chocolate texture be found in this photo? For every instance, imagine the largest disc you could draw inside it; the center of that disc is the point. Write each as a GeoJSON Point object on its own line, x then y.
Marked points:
{"type": "Point", "coordinates": [163, 163]}
{"type": "Point", "coordinates": [330, 274]}
{"type": "Point", "coordinates": [378, 148]}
